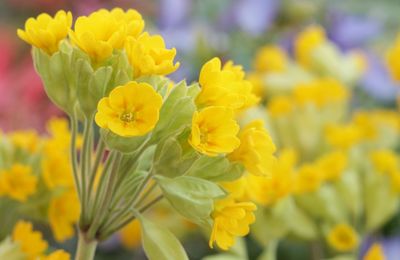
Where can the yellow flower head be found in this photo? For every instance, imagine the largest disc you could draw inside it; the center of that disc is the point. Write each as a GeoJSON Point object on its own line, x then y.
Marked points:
{"type": "Point", "coordinates": [31, 242]}
{"type": "Point", "coordinates": [26, 139]}
{"type": "Point", "coordinates": [148, 55]}
{"type": "Point", "coordinates": [63, 214]}
{"type": "Point", "coordinates": [393, 59]}
{"type": "Point", "coordinates": [333, 164]}
{"type": "Point", "coordinates": [343, 136]}
{"type": "Point", "coordinates": [231, 219]}
{"type": "Point", "coordinates": [18, 182]}
{"type": "Point", "coordinates": [256, 80]}
{"type": "Point", "coordinates": [130, 235]}
{"type": "Point", "coordinates": [306, 42]}
{"type": "Point", "coordinates": [57, 255]}
{"type": "Point", "coordinates": [270, 59]}
{"type": "Point", "coordinates": [375, 252]}
{"type": "Point", "coordinates": [46, 32]}
{"type": "Point", "coordinates": [280, 106]}
{"type": "Point", "coordinates": [224, 86]}
{"type": "Point", "coordinates": [256, 149]}
{"type": "Point", "coordinates": [56, 170]}
{"type": "Point", "coordinates": [214, 131]}
{"type": "Point", "coordinates": [308, 178]}
{"type": "Point", "coordinates": [343, 238]}
{"type": "Point", "coordinates": [384, 161]}
{"type": "Point", "coordinates": [132, 18]}
{"type": "Point", "coordinates": [99, 34]}
{"type": "Point", "coordinates": [129, 110]}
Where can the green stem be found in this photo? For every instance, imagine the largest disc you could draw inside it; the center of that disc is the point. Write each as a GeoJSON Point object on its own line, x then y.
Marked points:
{"type": "Point", "coordinates": [146, 194]}
{"type": "Point", "coordinates": [85, 167]}
{"type": "Point", "coordinates": [73, 154]}
{"type": "Point", "coordinates": [86, 248]}
{"type": "Point", "coordinates": [100, 149]}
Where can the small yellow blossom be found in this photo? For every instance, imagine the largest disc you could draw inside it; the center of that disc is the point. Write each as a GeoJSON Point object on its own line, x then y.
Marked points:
{"type": "Point", "coordinates": [129, 110]}
{"type": "Point", "coordinates": [56, 170]}
{"type": "Point", "coordinates": [395, 181]}
{"type": "Point", "coordinates": [46, 32]}
{"type": "Point", "coordinates": [131, 18]}
{"type": "Point", "coordinates": [375, 252]}
{"type": "Point", "coordinates": [308, 178]}
{"type": "Point", "coordinates": [270, 59]}
{"type": "Point", "coordinates": [256, 149]}
{"type": "Point", "coordinates": [224, 86]}
{"type": "Point", "coordinates": [130, 235]}
{"type": "Point", "coordinates": [148, 55]}
{"type": "Point", "coordinates": [306, 42]}
{"type": "Point", "coordinates": [333, 164]}
{"type": "Point", "coordinates": [214, 131]}
{"type": "Point", "coordinates": [27, 140]}
{"type": "Point", "coordinates": [31, 242]}
{"type": "Point", "coordinates": [393, 59]}
{"type": "Point", "coordinates": [343, 136]}
{"type": "Point", "coordinates": [63, 214]}
{"type": "Point", "coordinates": [256, 79]}
{"type": "Point", "coordinates": [231, 219]}
{"type": "Point", "coordinates": [57, 255]}
{"type": "Point", "coordinates": [18, 182]}
{"type": "Point", "coordinates": [384, 161]}
{"type": "Point", "coordinates": [374, 122]}
{"type": "Point", "coordinates": [280, 106]}
{"type": "Point", "coordinates": [343, 238]}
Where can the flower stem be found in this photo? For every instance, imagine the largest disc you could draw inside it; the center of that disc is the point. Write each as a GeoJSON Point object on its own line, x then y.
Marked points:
{"type": "Point", "coordinates": [86, 248]}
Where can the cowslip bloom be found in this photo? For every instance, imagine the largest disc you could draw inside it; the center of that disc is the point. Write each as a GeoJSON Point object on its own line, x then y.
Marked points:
{"type": "Point", "coordinates": [30, 241]}
{"type": "Point", "coordinates": [57, 255]}
{"type": "Point", "coordinates": [343, 136]}
{"type": "Point", "coordinates": [384, 160]}
{"type": "Point", "coordinates": [18, 182]}
{"type": "Point", "coordinates": [306, 42]}
{"type": "Point", "coordinates": [130, 235]}
{"type": "Point", "coordinates": [224, 86]}
{"type": "Point", "coordinates": [214, 131]}
{"type": "Point", "coordinates": [99, 34]}
{"type": "Point", "coordinates": [148, 55]}
{"type": "Point", "coordinates": [231, 219]}
{"type": "Point", "coordinates": [393, 59]}
{"type": "Point", "coordinates": [27, 140]}
{"type": "Point", "coordinates": [343, 238]}
{"type": "Point", "coordinates": [56, 169]}
{"type": "Point", "coordinates": [333, 164]}
{"type": "Point", "coordinates": [270, 59]}
{"type": "Point", "coordinates": [129, 110]}
{"type": "Point", "coordinates": [375, 252]}
{"type": "Point", "coordinates": [256, 149]}
{"type": "Point", "coordinates": [308, 178]}
{"type": "Point", "coordinates": [280, 106]}
{"type": "Point", "coordinates": [46, 32]}
{"type": "Point", "coordinates": [131, 18]}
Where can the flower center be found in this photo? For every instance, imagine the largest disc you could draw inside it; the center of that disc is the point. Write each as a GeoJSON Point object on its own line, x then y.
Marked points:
{"type": "Point", "coordinates": [127, 117]}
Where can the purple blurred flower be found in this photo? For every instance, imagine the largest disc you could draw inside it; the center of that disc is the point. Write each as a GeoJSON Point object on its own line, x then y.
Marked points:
{"type": "Point", "coordinates": [391, 246]}
{"type": "Point", "coordinates": [173, 13]}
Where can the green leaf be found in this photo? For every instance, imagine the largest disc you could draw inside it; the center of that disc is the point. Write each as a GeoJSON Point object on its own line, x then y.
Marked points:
{"type": "Point", "coordinates": [123, 144]}
{"type": "Point", "coordinates": [158, 242]}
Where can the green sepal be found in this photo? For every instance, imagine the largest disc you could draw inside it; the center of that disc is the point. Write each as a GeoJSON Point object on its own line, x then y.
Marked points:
{"type": "Point", "coordinates": [121, 73]}
{"type": "Point", "coordinates": [123, 144]}
{"type": "Point", "coordinates": [11, 250]}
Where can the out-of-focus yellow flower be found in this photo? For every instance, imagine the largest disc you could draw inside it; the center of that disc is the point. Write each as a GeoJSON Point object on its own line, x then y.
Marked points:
{"type": "Point", "coordinates": [237, 189]}
{"type": "Point", "coordinates": [46, 32]}
{"type": "Point", "coordinates": [130, 235]}
{"type": "Point", "coordinates": [224, 86]}
{"type": "Point", "coordinates": [257, 81]}
{"type": "Point", "coordinates": [384, 161]}
{"type": "Point", "coordinates": [256, 150]}
{"type": "Point", "coordinates": [371, 123]}
{"type": "Point", "coordinates": [333, 164]}
{"type": "Point", "coordinates": [131, 18]}
{"type": "Point", "coordinates": [57, 255]}
{"type": "Point", "coordinates": [31, 242]}
{"type": "Point", "coordinates": [308, 178]}
{"type": "Point", "coordinates": [99, 34]}
{"type": "Point", "coordinates": [26, 139]}
{"type": "Point", "coordinates": [343, 238]}
{"type": "Point", "coordinates": [343, 136]}
{"type": "Point", "coordinates": [214, 131]}
{"type": "Point", "coordinates": [393, 59]}
{"type": "Point", "coordinates": [148, 55]}
{"type": "Point", "coordinates": [270, 59]}
{"type": "Point", "coordinates": [129, 110]}
{"type": "Point", "coordinates": [63, 214]}
{"type": "Point", "coordinates": [375, 252]}
{"type": "Point", "coordinates": [18, 182]}
{"type": "Point", "coordinates": [280, 106]}
{"type": "Point", "coordinates": [306, 42]}
{"type": "Point", "coordinates": [231, 219]}
{"type": "Point", "coordinates": [56, 170]}
{"type": "Point", "coordinates": [395, 181]}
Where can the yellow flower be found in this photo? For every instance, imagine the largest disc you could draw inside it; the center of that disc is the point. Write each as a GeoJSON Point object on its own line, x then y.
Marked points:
{"type": "Point", "coordinates": [46, 32]}
{"type": "Point", "coordinates": [148, 55]}
{"type": "Point", "coordinates": [26, 139]}
{"type": "Point", "coordinates": [231, 219]}
{"type": "Point", "coordinates": [375, 252]}
{"type": "Point", "coordinates": [308, 178]}
{"type": "Point", "coordinates": [270, 59]}
{"type": "Point", "coordinates": [130, 235]}
{"type": "Point", "coordinates": [63, 214]}
{"type": "Point", "coordinates": [280, 106]}
{"type": "Point", "coordinates": [393, 59]}
{"type": "Point", "coordinates": [214, 131]}
{"type": "Point", "coordinates": [306, 42]}
{"type": "Point", "coordinates": [224, 86]}
{"type": "Point", "coordinates": [333, 164]}
{"type": "Point", "coordinates": [343, 136]}
{"type": "Point", "coordinates": [99, 34]}
{"type": "Point", "coordinates": [56, 170]}
{"type": "Point", "coordinates": [256, 149]}
{"type": "Point", "coordinates": [57, 255]}
{"type": "Point", "coordinates": [343, 238]}
{"type": "Point", "coordinates": [31, 242]}
{"type": "Point", "coordinates": [384, 161]}
{"type": "Point", "coordinates": [256, 80]}
{"type": "Point", "coordinates": [18, 182]}
{"type": "Point", "coordinates": [132, 18]}
{"type": "Point", "coordinates": [129, 110]}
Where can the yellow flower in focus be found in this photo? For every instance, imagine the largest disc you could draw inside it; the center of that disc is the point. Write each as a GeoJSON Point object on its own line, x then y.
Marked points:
{"type": "Point", "coordinates": [129, 110]}
{"type": "Point", "coordinates": [280, 106]}
{"type": "Point", "coordinates": [46, 32]}
{"type": "Point", "coordinates": [27, 140]}
{"type": "Point", "coordinates": [333, 164]}
{"type": "Point", "coordinates": [343, 238]}
{"type": "Point", "coordinates": [214, 131]}
{"type": "Point", "coordinates": [130, 235]}
{"type": "Point", "coordinates": [31, 242]}
{"type": "Point", "coordinates": [393, 59]}
{"type": "Point", "coordinates": [306, 42]}
{"type": "Point", "coordinates": [99, 34]}
{"type": "Point", "coordinates": [63, 214]}
{"type": "Point", "coordinates": [231, 219]}
{"type": "Point", "coordinates": [18, 182]}
{"type": "Point", "coordinates": [131, 18]}
{"type": "Point", "coordinates": [57, 255]}
{"type": "Point", "coordinates": [375, 252]}
{"type": "Point", "coordinates": [343, 136]}
{"type": "Point", "coordinates": [308, 178]}
{"type": "Point", "coordinates": [148, 55]}
{"type": "Point", "coordinates": [224, 86]}
{"type": "Point", "coordinates": [256, 149]}
{"type": "Point", "coordinates": [384, 161]}
{"type": "Point", "coordinates": [270, 59]}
